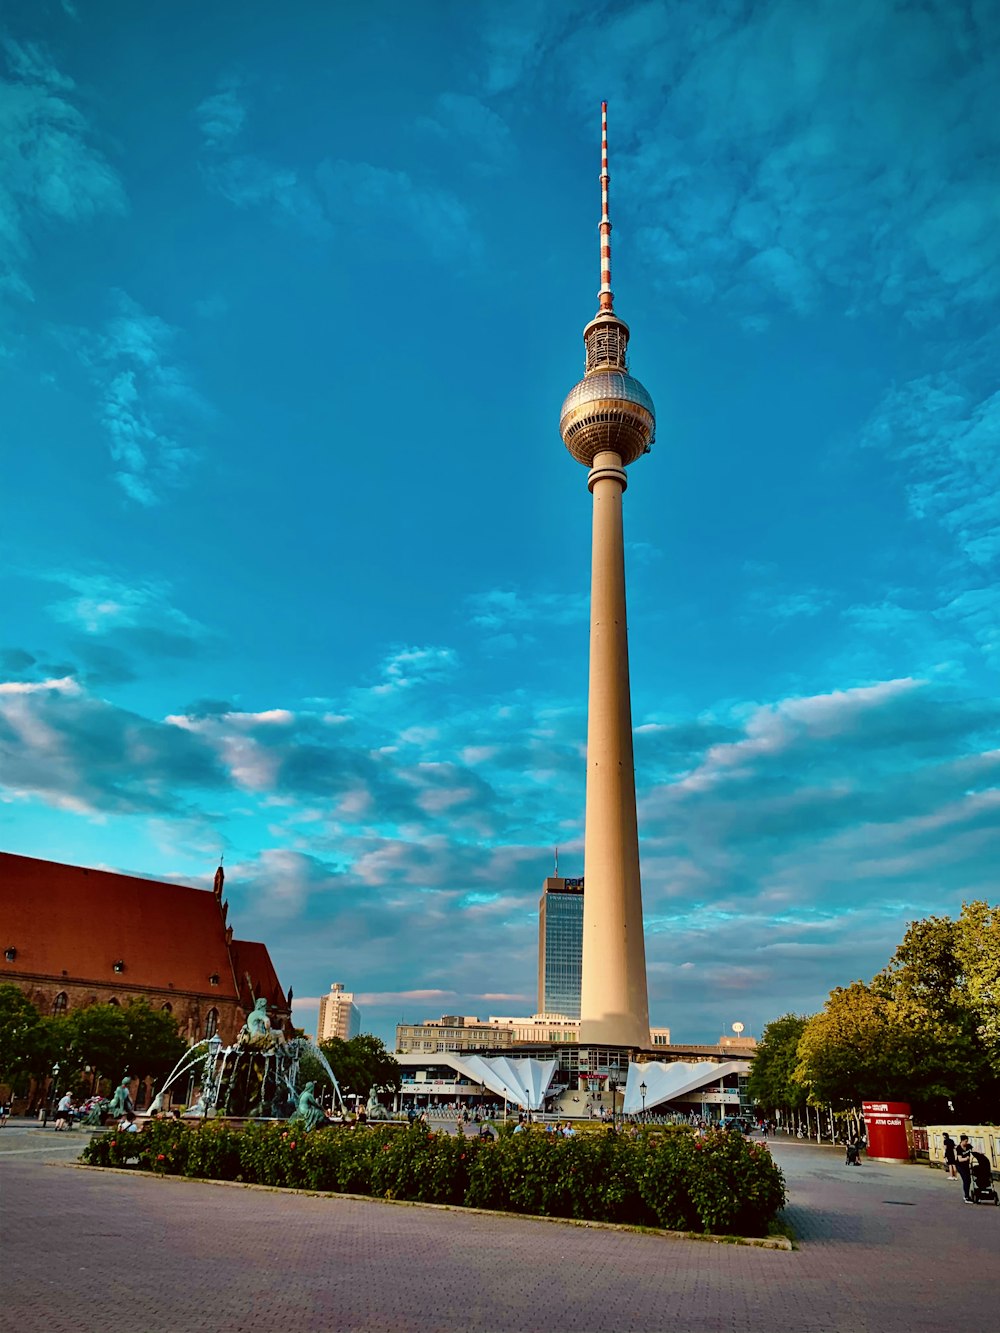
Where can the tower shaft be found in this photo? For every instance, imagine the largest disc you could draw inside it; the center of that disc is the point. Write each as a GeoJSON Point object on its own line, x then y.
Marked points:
{"type": "Point", "coordinates": [608, 422]}
{"type": "Point", "coordinates": [613, 1002]}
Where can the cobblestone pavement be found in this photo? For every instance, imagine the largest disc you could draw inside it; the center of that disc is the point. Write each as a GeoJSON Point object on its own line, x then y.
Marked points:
{"type": "Point", "coordinates": [882, 1249]}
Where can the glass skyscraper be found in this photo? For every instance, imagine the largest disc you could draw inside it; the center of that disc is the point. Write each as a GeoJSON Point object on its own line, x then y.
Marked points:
{"type": "Point", "coordinates": [560, 946]}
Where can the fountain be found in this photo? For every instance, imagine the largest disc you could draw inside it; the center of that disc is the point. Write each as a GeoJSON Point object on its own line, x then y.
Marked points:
{"type": "Point", "coordinates": [256, 1078]}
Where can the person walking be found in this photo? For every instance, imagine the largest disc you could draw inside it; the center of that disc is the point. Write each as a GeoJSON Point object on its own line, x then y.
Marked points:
{"type": "Point", "coordinates": [949, 1157]}
{"type": "Point", "coordinates": [963, 1161]}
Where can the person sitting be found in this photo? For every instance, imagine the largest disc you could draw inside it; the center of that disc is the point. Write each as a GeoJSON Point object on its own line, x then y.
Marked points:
{"type": "Point", "coordinates": [127, 1124]}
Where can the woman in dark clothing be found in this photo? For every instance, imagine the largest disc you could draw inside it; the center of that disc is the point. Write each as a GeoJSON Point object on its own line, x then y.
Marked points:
{"type": "Point", "coordinates": [963, 1160]}
{"type": "Point", "coordinates": [949, 1157]}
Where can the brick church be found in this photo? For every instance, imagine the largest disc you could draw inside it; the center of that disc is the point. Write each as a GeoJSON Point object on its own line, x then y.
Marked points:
{"type": "Point", "coordinates": [71, 937]}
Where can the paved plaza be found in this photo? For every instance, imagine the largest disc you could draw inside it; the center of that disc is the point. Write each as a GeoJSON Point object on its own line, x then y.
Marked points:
{"type": "Point", "coordinates": [881, 1249]}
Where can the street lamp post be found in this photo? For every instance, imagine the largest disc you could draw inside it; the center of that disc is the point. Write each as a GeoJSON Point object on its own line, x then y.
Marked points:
{"type": "Point", "coordinates": [613, 1086]}
{"type": "Point", "coordinates": [642, 1093]}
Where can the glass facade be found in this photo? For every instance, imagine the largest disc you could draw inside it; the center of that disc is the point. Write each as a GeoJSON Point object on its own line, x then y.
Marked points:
{"type": "Point", "coordinates": [560, 947]}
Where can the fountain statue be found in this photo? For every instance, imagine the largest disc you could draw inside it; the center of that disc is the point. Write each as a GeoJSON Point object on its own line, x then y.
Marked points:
{"type": "Point", "coordinates": [375, 1110]}
{"type": "Point", "coordinates": [121, 1100]}
{"type": "Point", "coordinates": [309, 1111]}
{"type": "Point", "coordinates": [256, 1077]}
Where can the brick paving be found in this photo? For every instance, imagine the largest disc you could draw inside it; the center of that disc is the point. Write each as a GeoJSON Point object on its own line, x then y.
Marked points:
{"type": "Point", "coordinates": [882, 1249]}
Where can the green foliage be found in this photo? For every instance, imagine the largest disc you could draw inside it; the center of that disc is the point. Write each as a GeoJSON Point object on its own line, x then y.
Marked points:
{"type": "Point", "coordinates": [849, 1050]}
{"type": "Point", "coordinates": [110, 1039]}
{"type": "Point", "coordinates": [977, 948]}
{"type": "Point", "coordinates": [359, 1065]}
{"type": "Point", "coordinates": [921, 1032]}
{"type": "Point", "coordinates": [772, 1083]}
{"type": "Point", "coordinates": [23, 1048]}
{"type": "Point", "coordinates": [153, 1044]}
{"type": "Point", "coordinates": [733, 1184]}
{"type": "Point", "coordinates": [718, 1183]}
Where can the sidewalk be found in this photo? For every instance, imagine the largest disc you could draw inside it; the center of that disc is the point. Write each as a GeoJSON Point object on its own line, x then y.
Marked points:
{"type": "Point", "coordinates": [883, 1249]}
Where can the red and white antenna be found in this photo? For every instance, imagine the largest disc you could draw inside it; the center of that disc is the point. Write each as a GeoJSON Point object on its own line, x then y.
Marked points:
{"type": "Point", "coordinates": [607, 300]}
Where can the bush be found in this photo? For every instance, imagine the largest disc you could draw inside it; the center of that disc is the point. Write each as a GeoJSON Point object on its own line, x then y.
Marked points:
{"type": "Point", "coordinates": [717, 1183]}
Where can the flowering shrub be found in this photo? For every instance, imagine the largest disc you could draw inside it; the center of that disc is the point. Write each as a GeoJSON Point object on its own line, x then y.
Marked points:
{"type": "Point", "coordinates": [718, 1183]}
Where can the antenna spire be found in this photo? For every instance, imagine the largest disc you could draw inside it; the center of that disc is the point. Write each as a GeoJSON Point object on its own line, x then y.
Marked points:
{"type": "Point", "coordinates": [607, 299]}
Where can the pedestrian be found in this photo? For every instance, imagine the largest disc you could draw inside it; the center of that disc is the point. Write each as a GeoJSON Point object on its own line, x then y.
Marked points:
{"type": "Point", "coordinates": [949, 1157]}
{"type": "Point", "coordinates": [64, 1112]}
{"type": "Point", "coordinates": [963, 1161]}
{"type": "Point", "coordinates": [4, 1113]}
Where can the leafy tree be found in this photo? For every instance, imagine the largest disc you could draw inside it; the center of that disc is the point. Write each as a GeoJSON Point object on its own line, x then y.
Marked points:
{"type": "Point", "coordinates": [946, 1056]}
{"type": "Point", "coordinates": [361, 1064]}
{"type": "Point", "coordinates": [848, 1052]}
{"type": "Point", "coordinates": [153, 1043]}
{"type": "Point", "coordinates": [97, 1036]}
{"type": "Point", "coordinates": [22, 1037]}
{"type": "Point", "coordinates": [772, 1082]}
{"type": "Point", "coordinates": [113, 1041]}
{"type": "Point", "coordinates": [977, 948]}
{"type": "Point", "coordinates": [867, 1045]}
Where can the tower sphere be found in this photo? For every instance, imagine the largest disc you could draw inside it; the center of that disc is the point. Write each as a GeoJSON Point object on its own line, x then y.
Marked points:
{"type": "Point", "coordinates": [608, 409]}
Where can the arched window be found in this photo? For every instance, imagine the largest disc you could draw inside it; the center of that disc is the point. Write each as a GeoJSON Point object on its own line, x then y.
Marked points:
{"type": "Point", "coordinates": [61, 1003]}
{"type": "Point", "coordinates": [113, 1001]}
{"type": "Point", "coordinates": [167, 1008]}
{"type": "Point", "coordinates": [211, 1022]}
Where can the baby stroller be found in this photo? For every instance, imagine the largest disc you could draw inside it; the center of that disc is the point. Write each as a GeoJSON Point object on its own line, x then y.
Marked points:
{"type": "Point", "coordinates": [981, 1187]}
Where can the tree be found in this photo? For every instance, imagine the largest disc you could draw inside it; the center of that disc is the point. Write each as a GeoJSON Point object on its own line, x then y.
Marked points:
{"type": "Point", "coordinates": [848, 1051]}
{"type": "Point", "coordinates": [96, 1037]}
{"type": "Point", "coordinates": [867, 1045]}
{"type": "Point", "coordinates": [977, 948]}
{"type": "Point", "coordinates": [361, 1064]}
{"type": "Point", "coordinates": [947, 1059]}
{"type": "Point", "coordinates": [113, 1041]}
{"type": "Point", "coordinates": [154, 1044]}
{"type": "Point", "coordinates": [772, 1083]}
{"type": "Point", "coordinates": [22, 1036]}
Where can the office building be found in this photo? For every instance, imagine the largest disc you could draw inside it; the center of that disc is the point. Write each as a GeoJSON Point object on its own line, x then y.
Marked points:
{"type": "Point", "coordinates": [560, 946]}
{"type": "Point", "coordinates": [339, 1016]}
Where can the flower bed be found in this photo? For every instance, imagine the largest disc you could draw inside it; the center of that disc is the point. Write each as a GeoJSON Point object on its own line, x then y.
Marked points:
{"type": "Point", "coordinates": [718, 1183]}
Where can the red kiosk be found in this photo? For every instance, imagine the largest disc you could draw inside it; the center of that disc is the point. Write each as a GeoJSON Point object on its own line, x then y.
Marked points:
{"type": "Point", "coordinates": [889, 1129]}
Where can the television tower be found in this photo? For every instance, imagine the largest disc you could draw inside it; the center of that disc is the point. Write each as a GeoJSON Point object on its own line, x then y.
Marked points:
{"type": "Point", "coordinates": [607, 422]}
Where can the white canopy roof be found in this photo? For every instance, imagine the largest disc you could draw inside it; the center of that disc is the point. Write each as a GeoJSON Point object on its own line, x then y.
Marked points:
{"type": "Point", "coordinates": [524, 1082]}
{"type": "Point", "coordinates": [667, 1080]}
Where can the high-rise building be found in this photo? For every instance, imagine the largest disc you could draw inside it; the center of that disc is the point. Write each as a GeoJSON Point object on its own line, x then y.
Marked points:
{"type": "Point", "coordinates": [339, 1016]}
{"type": "Point", "coordinates": [607, 422]}
{"type": "Point", "coordinates": [560, 946]}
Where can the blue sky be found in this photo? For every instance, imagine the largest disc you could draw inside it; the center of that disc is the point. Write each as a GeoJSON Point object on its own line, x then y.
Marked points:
{"type": "Point", "coordinates": [294, 566]}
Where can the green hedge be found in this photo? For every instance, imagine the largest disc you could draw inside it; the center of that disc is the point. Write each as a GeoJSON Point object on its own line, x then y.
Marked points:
{"type": "Point", "coordinates": [719, 1183]}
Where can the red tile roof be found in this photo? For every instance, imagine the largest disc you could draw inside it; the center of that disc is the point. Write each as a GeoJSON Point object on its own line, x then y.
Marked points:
{"type": "Point", "coordinates": [68, 920]}
{"type": "Point", "coordinates": [252, 960]}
